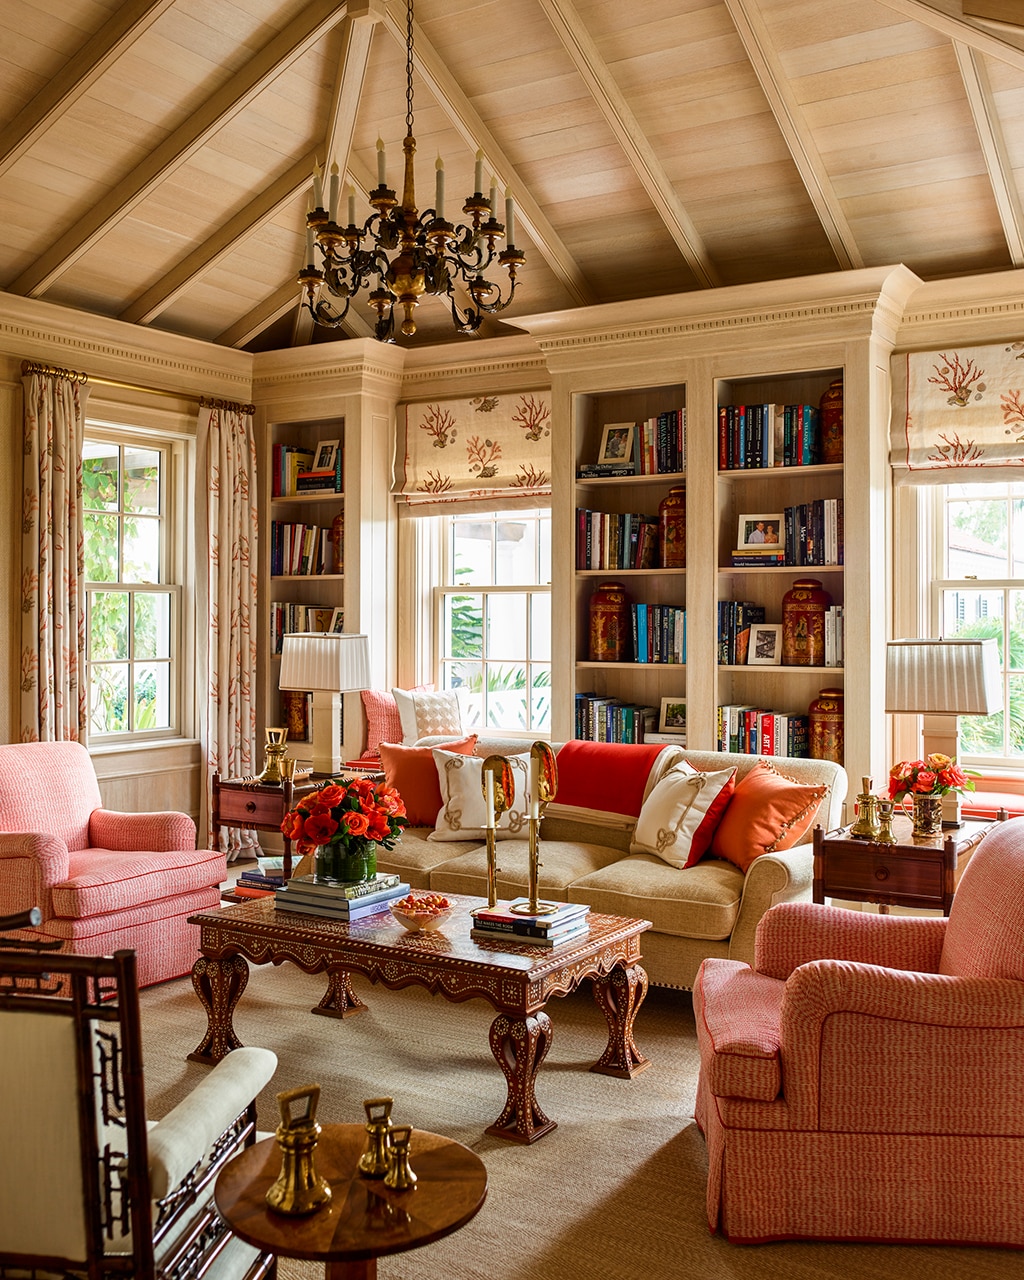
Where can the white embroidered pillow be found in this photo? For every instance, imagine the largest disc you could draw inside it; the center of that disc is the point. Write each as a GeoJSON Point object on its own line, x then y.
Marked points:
{"type": "Point", "coordinates": [425, 714]}
{"type": "Point", "coordinates": [679, 816]}
{"type": "Point", "coordinates": [463, 813]}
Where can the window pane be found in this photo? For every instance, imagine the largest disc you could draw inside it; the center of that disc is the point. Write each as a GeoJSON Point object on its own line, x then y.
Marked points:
{"type": "Point", "coordinates": [506, 626]}
{"type": "Point", "coordinates": [977, 539]}
{"type": "Point", "coordinates": [99, 476]}
{"type": "Point", "coordinates": [108, 625]}
{"type": "Point", "coordinates": [540, 697]}
{"type": "Point", "coordinates": [100, 548]}
{"type": "Point", "coordinates": [108, 698]}
{"type": "Point", "coordinates": [152, 636]}
{"type": "Point", "coordinates": [516, 546]}
{"type": "Point", "coordinates": [472, 558]}
{"type": "Point", "coordinates": [467, 677]}
{"type": "Point", "coordinates": [141, 479]}
{"type": "Point", "coordinates": [152, 697]}
{"type": "Point", "coordinates": [540, 626]}
{"type": "Point", "coordinates": [464, 626]}
{"type": "Point", "coordinates": [973, 613]}
{"type": "Point", "coordinates": [1015, 717]}
{"type": "Point", "coordinates": [141, 549]}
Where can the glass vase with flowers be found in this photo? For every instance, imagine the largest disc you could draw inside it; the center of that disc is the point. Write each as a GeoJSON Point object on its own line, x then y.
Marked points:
{"type": "Point", "coordinates": [923, 783]}
{"type": "Point", "coordinates": [344, 823]}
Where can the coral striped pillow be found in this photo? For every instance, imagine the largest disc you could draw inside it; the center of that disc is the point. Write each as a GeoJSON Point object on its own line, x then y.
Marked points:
{"type": "Point", "coordinates": [383, 723]}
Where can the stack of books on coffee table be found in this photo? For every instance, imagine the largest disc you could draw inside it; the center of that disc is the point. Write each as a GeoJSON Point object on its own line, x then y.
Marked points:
{"type": "Point", "coordinates": [501, 924]}
{"type": "Point", "coordinates": [340, 899]}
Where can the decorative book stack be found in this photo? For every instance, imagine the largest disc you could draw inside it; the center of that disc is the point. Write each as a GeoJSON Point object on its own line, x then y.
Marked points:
{"type": "Point", "coordinates": [261, 882]}
{"type": "Point", "coordinates": [340, 900]}
{"type": "Point", "coordinates": [503, 924]}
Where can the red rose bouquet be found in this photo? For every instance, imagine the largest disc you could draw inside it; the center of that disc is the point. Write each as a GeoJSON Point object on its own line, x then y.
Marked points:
{"type": "Point", "coordinates": [936, 775]}
{"type": "Point", "coordinates": [346, 822]}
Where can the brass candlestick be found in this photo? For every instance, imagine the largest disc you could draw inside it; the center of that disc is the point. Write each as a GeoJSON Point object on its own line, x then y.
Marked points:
{"type": "Point", "coordinates": [373, 1163]}
{"type": "Point", "coordinates": [298, 1190]}
{"type": "Point", "coordinates": [499, 792]}
{"type": "Point", "coordinates": [544, 776]}
{"type": "Point", "coordinates": [400, 1176]}
{"type": "Point", "coordinates": [866, 826]}
{"type": "Point", "coordinates": [886, 809]}
{"type": "Point", "coordinates": [273, 754]}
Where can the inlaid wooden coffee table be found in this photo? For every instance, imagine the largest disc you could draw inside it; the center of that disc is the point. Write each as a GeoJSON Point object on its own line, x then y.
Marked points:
{"type": "Point", "coordinates": [516, 980]}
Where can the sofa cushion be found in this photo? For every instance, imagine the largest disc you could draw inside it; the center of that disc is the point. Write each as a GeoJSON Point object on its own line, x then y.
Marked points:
{"type": "Point", "coordinates": [413, 774]}
{"type": "Point", "coordinates": [679, 817]}
{"type": "Point", "coordinates": [101, 881]}
{"type": "Point", "coordinates": [611, 777]}
{"type": "Point", "coordinates": [463, 812]}
{"type": "Point", "coordinates": [738, 1015]}
{"type": "Point", "coordinates": [425, 712]}
{"type": "Point", "coordinates": [561, 866]}
{"type": "Point", "coordinates": [415, 856]}
{"type": "Point", "coordinates": [383, 723]}
{"type": "Point", "coordinates": [768, 812]}
{"type": "Point", "coordinates": [700, 902]}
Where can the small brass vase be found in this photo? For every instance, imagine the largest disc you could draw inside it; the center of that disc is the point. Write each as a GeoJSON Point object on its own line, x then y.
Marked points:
{"type": "Point", "coordinates": [298, 1190]}
{"type": "Point", "coordinates": [273, 754]}
{"type": "Point", "coordinates": [375, 1160]}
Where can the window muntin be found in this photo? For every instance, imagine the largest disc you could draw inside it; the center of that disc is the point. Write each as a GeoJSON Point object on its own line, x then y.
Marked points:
{"type": "Point", "coordinates": [132, 608]}
{"type": "Point", "coordinates": [494, 618]}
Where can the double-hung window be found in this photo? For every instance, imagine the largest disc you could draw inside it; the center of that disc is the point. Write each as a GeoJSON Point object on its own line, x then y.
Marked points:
{"type": "Point", "coordinates": [493, 615]}
{"type": "Point", "coordinates": [133, 601]}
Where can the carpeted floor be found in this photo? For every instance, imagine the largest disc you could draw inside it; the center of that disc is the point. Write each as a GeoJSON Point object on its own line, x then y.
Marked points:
{"type": "Point", "coordinates": [616, 1192]}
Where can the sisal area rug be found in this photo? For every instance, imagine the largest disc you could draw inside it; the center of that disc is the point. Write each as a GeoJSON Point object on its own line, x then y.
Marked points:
{"type": "Point", "coordinates": [616, 1192]}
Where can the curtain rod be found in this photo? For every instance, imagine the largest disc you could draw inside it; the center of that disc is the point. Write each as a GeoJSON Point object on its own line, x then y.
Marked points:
{"type": "Point", "coordinates": [72, 375]}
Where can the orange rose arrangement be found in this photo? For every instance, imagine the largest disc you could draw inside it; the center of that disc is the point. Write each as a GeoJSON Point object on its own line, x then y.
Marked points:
{"type": "Point", "coordinates": [935, 775]}
{"type": "Point", "coordinates": [345, 823]}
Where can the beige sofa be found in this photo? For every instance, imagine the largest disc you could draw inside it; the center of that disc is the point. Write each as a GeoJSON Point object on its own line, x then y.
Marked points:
{"type": "Point", "coordinates": [711, 909]}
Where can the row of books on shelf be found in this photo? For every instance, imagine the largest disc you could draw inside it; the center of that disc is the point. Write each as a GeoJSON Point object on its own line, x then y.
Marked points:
{"type": "Point", "coordinates": [659, 633]}
{"type": "Point", "coordinates": [811, 533]}
{"type": "Point", "coordinates": [604, 719]}
{"type": "Point", "coordinates": [616, 540]}
{"type": "Point", "coordinates": [738, 621]}
{"type": "Point", "coordinates": [300, 549]}
{"type": "Point", "coordinates": [767, 435]}
{"type": "Point", "coordinates": [340, 900]}
{"type": "Point", "coordinates": [751, 730]}
{"type": "Point", "coordinates": [502, 923]}
{"type": "Point", "coordinates": [286, 618]}
{"type": "Point", "coordinates": [296, 470]}
{"type": "Point", "coordinates": [654, 447]}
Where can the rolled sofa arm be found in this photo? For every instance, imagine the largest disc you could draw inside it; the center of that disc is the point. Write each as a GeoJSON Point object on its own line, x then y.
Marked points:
{"type": "Point", "coordinates": [770, 879]}
{"type": "Point", "coordinates": [32, 864]}
{"type": "Point", "coordinates": [140, 832]}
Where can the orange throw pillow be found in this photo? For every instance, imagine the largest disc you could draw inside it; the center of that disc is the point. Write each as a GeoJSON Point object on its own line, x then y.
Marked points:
{"type": "Point", "coordinates": [413, 774]}
{"type": "Point", "coordinates": [768, 812]}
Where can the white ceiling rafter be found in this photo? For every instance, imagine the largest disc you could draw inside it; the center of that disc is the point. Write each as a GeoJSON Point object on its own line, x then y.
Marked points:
{"type": "Point", "coordinates": [993, 146]}
{"type": "Point", "coordinates": [464, 116]}
{"type": "Point", "coordinates": [280, 52]}
{"type": "Point", "coordinates": [131, 19]}
{"type": "Point", "coordinates": [765, 62]}
{"type": "Point", "coordinates": [1006, 47]}
{"type": "Point", "coordinates": [594, 72]}
{"type": "Point", "coordinates": [260, 317]}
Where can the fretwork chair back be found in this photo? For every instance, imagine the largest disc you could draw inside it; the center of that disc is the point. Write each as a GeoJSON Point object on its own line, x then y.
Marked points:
{"type": "Point", "coordinates": [86, 1186]}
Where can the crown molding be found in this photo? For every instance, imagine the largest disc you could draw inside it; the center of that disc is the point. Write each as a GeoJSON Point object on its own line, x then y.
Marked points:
{"type": "Point", "coordinates": [968, 309]}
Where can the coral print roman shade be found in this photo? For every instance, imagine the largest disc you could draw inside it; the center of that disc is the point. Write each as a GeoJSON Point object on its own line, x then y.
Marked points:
{"type": "Point", "coordinates": [958, 414]}
{"type": "Point", "coordinates": [474, 451]}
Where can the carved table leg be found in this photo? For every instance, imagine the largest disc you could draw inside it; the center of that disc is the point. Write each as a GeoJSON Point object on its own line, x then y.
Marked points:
{"type": "Point", "coordinates": [619, 996]}
{"type": "Point", "coordinates": [519, 1046]}
{"type": "Point", "coordinates": [339, 1001]}
{"type": "Point", "coordinates": [218, 984]}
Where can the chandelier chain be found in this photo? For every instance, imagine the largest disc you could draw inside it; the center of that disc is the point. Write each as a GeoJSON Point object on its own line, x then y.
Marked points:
{"type": "Point", "coordinates": [408, 71]}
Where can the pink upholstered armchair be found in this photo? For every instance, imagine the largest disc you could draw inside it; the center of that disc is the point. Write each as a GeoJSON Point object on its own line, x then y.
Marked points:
{"type": "Point", "coordinates": [865, 1080]}
{"type": "Point", "coordinates": [103, 881]}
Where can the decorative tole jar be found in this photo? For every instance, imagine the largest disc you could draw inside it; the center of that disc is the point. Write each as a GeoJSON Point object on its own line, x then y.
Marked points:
{"type": "Point", "coordinates": [672, 528]}
{"type": "Point", "coordinates": [610, 623]}
{"type": "Point", "coordinates": [803, 623]}
{"type": "Point", "coordinates": [830, 422]}
{"type": "Point", "coordinates": [826, 731]}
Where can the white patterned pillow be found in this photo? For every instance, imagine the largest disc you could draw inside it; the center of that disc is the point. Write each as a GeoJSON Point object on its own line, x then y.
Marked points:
{"type": "Point", "coordinates": [463, 812]}
{"type": "Point", "coordinates": [425, 714]}
{"type": "Point", "coordinates": [678, 819]}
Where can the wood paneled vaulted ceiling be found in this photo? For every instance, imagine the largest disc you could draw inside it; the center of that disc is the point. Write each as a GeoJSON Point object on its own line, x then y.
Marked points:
{"type": "Point", "coordinates": [156, 155]}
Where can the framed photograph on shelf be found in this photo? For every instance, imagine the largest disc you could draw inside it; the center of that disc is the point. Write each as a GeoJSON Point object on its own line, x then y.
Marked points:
{"type": "Point", "coordinates": [326, 455]}
{"type": "Point", "coordinates": [760, 531]}
{"type": "Point", "coordinates": [765, 644]}
{"type": "Point", "coordinates": [673, 716]}
{"type": "Point", "coordinates": [337, 622]}
{"type": "Point", "coordinates": [618, 441]}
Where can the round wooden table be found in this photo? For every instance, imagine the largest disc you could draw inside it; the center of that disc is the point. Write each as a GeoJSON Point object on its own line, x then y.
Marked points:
{"type": "Point", "coordinates": [364, 1219]}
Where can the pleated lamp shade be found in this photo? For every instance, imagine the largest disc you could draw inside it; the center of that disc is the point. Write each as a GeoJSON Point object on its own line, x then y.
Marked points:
{"type": "Point", "coordinates": [334, 661]}
{"type": "Point", "coordinates": [954, 677]}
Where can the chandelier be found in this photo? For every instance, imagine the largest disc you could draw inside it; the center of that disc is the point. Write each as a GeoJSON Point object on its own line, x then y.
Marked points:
{"type": "Point", "coordinates": [409, 253]}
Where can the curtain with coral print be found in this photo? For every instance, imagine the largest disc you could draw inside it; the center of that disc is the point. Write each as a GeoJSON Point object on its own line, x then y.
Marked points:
{"type": "Point", "coordinates": [958, 414]}
{"type": "Point", "coordinates": [477, 452]}
{"type": "Point", "coordinates": [54, 704]}
{"type": "Point", "coordinates": [228, 461]}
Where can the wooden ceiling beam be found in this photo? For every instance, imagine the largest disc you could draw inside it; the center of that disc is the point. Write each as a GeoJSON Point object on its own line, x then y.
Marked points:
{"type": "Point", "coordinates": [993, 146]}
{"type": "Point", "coordinates": [1006, 46]}
{"type": "Point", "coordinates": [252, 324]}
{"type": "Point", "coordinates": [764, 59]}
{"type": "Point", "coordinates": [466, 120]}
{"type": "Point", "coordinates": [130, 20]}
{"type": "Point", "coordinates": [611, 102]}
{"type": "Point", "coordinates": [317, 18]}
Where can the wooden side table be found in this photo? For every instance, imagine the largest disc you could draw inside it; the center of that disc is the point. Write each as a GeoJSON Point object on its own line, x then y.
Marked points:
{"type": "Point", "coordinates": [917, 871]}
{"type": "Point", "coordinates": [364, 1219]}
{"type": "Point", "coordinates": [255, 806]}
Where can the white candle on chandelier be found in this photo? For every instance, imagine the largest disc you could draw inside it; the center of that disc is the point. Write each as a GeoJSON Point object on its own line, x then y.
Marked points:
{"type": "Point", "coordinates": [439, 191]}
{"type": "Point", "coordinates": [510, 218]}
{"type": "Point", "coordinates": [351, 191]}
{"type": "Point", "coordinates": [318, 188]}
{"type": "Point", "coordinates": [310, 242]}
{"type": "Point", "coordinates": [382, 173]}
{"type": "Point", "coordinates": [489, 798]}
{"type": "Point", "coordinates": [335, 184]}
{"type": "Point", "coordinates": [494, 197]}
{"type": "Point", "coordinates": [478, 178]}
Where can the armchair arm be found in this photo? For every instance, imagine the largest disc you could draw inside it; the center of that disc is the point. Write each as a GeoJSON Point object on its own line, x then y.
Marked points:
{"type": "Point", "coordinates": [32, 864]}
{"type": "Point", "coordinates": [796, 933]}
{"type": "Point", "coordinates": [131, 832]}
{"type": "Point", "coordinates": [895, 1051]}
{"type": "Point", "coordinates": [184, 1136]}
{"type": "Point", "coordinates": [772, 878]}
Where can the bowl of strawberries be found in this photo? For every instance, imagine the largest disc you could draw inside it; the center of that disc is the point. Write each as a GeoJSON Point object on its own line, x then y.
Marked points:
{"type": "Point", "coordinates": [418, 911]}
